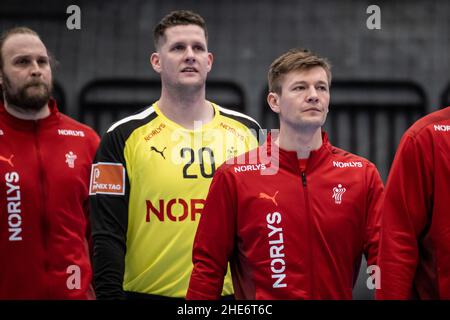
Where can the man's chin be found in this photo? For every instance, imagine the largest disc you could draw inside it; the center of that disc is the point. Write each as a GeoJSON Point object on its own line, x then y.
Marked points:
{"type": "Point", "coordinates": [36, 97]}
{"type": "Point", "coordinates": [191, 84]}
{"type": "Point", "coordinates": [35, 102]}
{"type": "Point", "coordinates": [30, 102]}
{"type": "Point", "coordinates": [309, 124]}
{"type": "Point", "coordinates": [313, 121]}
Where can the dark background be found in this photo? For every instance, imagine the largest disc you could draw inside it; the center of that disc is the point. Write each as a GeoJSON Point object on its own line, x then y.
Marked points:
{"type": "Point", "coordinates": [382, 79]}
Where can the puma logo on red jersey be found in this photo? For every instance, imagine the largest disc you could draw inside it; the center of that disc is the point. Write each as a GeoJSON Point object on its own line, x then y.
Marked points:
{"type": "Point", "coordinates": [263, 195]}
{"type": "Point", "coordinates": [8, 160]}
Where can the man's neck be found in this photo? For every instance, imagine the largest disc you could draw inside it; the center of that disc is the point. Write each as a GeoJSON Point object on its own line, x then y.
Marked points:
{"type": "Point", "coordinates": [186, 109]}
{"type": "Point", "coordinates": [23, 114]}
{"type": "Point", "coordinates": [303, 142]}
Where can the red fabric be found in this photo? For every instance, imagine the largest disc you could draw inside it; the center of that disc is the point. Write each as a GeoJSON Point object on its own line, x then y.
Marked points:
{"type": "Point", "coordinates": [302, 164]}
{"type": "Point", "coordinates": [288, 228]}
{"type": "Point", "coordinates": [45, 202]}
{"type": "Point", "coordinates": [415, 243]}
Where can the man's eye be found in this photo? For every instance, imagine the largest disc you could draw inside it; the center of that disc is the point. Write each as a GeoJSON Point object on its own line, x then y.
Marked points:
{"type": "Point", "coordinates": [22, 61]}
{"type": "Point", "coordinates": [199, 48]}
{"type": "Point", "coordinates": [323, 88]}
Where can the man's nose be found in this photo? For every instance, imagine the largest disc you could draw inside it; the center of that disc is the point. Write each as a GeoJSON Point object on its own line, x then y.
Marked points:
{"type": "Point", "coordinates": [312, 96]}
{"type": "Point", "coordinates": [190, 56]}
{"type": "Point", "coordinates": [35, 69]}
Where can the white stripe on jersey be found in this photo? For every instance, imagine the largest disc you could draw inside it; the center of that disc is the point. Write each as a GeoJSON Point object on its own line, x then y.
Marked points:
{"type": "Point", "coordinates": [138, 116]}
{"type": "Point", "coordinates": [237, 114]}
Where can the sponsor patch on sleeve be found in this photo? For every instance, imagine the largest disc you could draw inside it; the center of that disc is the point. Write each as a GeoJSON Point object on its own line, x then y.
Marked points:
{"type": "Point", "coordinates": [107, 178]}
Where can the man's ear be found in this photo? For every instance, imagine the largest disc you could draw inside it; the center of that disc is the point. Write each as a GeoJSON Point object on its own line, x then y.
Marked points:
{"type": "Point", "coordinates": [210, 61]}
{"type": "Point", "coordinates": [155, 62]}
{"type": "Point", "coordinates": [273, 99]}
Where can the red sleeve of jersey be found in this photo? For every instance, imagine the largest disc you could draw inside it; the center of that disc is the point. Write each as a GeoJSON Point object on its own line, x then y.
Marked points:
{"type": "Point", "coordinates": [214, 240]}
{"type": "Point", "coordinates": [373, 220]}
{"type": "Point", "coordinates": [404, 215]}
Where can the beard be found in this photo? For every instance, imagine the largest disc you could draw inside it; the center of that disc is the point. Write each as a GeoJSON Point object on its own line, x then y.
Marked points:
{"type": "Point", "coordinates": [23, 99]}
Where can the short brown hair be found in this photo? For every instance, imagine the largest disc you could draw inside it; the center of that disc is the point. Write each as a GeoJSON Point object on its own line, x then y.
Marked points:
{"type": "Point", "coordinates": [177, 18]}
{"type": "Point", "coordinates": [294, 59]}
{"type": "Point", "coordinates": [6, 34]}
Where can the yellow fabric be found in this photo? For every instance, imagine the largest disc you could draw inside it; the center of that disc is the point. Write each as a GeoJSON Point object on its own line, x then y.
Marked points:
{"type": "Point", "coordinates": [159, 253]}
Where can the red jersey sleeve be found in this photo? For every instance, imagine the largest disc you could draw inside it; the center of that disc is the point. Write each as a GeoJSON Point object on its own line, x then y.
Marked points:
{"type": "Point", "coordinates": [214, 240]}
{"type": "Point", "coordinates": [404, 215]}
{"type": "Point", "coordinates": [373, 220]}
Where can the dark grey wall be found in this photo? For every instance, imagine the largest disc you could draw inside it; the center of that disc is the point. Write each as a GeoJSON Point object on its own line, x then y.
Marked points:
{"type": "Point", "coordinates": [115, 40]}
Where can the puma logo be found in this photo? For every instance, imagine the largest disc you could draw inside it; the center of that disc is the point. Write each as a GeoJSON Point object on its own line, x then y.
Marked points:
{"type": "Point", "coordinates": [152, 148]}
{"type": "Point", "coordinates": [8, 160]}
{"type": "Point", "coordinates": [263, 195]}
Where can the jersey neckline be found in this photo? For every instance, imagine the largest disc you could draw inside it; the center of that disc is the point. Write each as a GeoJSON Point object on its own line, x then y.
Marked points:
{"type": "Point", "coordinates": [211, 124]}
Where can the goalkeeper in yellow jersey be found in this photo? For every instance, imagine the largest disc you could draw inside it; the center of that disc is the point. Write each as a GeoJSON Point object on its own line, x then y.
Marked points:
{"type": "Point", "coordinates": [153, 170]}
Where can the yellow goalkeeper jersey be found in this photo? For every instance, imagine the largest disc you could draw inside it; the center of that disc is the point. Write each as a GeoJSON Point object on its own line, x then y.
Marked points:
{"type": "Point", "coordinates": [148, 186]}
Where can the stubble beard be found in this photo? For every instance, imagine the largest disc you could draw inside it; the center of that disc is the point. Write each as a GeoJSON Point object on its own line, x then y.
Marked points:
{"type": "Point", "coordinates": [306, 125]}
